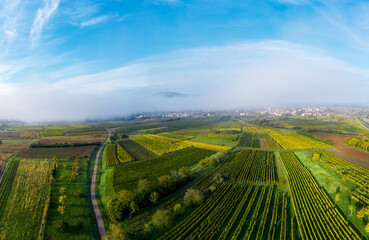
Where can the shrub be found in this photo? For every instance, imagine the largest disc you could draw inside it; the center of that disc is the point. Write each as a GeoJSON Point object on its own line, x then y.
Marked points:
{"type": "Point", "coordinates": [178, 209]}
{"type": "Point", "coordinates": [162, 219]}
{"type": "Point", "coordinates": [193, 197]}
{"type": "Point", "coordinates": [166, 183]}
{"type": "Point", "coordinates": [154, 197]}
{"type": "Point", "coordinates": [60, 225]}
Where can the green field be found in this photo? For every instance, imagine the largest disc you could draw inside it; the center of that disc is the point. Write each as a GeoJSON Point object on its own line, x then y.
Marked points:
{"type": "Point", "coordinates": [78, 214]}
{"type": "Point", "coordinates": [127, 176]}
{"type": "Point", "coordinates": [21, 217]}
{"type": "Point", "coordinates": [137, 151]}
{"type": "Point", "coordinates": [294, 189]}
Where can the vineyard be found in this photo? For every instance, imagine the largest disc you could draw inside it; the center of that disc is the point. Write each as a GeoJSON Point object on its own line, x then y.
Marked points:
{"type": "Point", "coordinates": [6, 183]}
{"type": "Point", "coordinates": [161, 145]}
{"type": "Point", "coordinates": [126, 176]}
{"type": "Point", "coordinates": [176, 135]}
{"type": "Point", "coordinates": [218, 177]}
{"type": "Point", "coordinates": [111, 156]}
{"type": "Point", "coordinates": [348, 171]}
{"type": "Point", "coordinates": [122, 155]}
{"type": "Point", "coordinates": [22, 214]}
{"type": "Point", "coordinates": [83, 151]}
{"type": "Point", "coordinates": [137, 151]}
{"type": "Point", "coordinates": [237, 212]}
{"type": "Point", "coordinates": [245, 140]}
{"type": "Point", "coordinates": [317, 216]}
{"type": "Point", "coordinates": [158, 144]}
{"type": "Point", "coordinates": [251, 166]}
{"type": "Point", "coordinates": [223, 137]}
{"type": "Point", "coordinates": [296, 141]}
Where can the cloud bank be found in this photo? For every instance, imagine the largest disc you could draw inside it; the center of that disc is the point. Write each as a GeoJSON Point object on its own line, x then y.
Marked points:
{"type": "Point", "coordinates": [254, 74]}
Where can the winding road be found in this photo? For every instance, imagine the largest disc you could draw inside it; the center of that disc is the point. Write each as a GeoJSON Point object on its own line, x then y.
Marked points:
{"type": "Point", "coordinates": [99, 220]}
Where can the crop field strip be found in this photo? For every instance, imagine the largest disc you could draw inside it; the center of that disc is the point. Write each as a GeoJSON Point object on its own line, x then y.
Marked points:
{"type": "Point", "coordinates": [317, 217]}
{"type": "Point", "coordinates": [6, 183]}
{"type": "Point", "coordinates": [294, 141]}
{"type": "Point", "coordinates": [137, 151]}
{"type": "Point", "coordinates": [251, 166]}
{"type": "Point", "coordinates": [115, 154]}
{"type": "Point", "coordinates": [111, 156]}
{"type": "Point", "coordinates": [23, 211]}
{"type": "Point", "coordinates": [158, 144]}
{"type": "Point", "coordinates": [126, 176]}
{"type": "Point", "coordinates": [350, 171]}
{"type": "Point", "coordinates": [236, 212]}
{"type": "Point", "coordinates": [56, 152]}
{"type": "Point", "coordinates": [161, 145]}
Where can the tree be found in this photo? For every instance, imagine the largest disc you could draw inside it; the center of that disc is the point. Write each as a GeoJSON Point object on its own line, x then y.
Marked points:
{"type": "Point", "coordinates": [154, 197]}
{"type": "Point", "coordinates": [316, 156]}
{"type": "Point", "coordinates": [363, 212]}
{"type": "Point", "coordinates": [367, 227]}
{"type": "Point", "coordinates": [337, 197]}
{"type": "Point", "coordinates": [61, 210]}
{"type": "Point", "coordinates": [117, 232]}
{"type": "Point", "coordinates": [133, 208]}
{"type": "Point", "coordinates": [60, 225]}
{"type": "Point", "coordinates": [354, 142]}
{"type": "Point", "coordinates": [218, 178]}
{"type": "Point", "coordinates": [351, 208]}
{"type": "Point", "coordinates": [114, 209]}
{"type": "Point", "coordinates": [178, 209]}
{"type": "Point", "coordinates": [185, 172]}
{"type": "Point", "coordinates": [62, 190]}
{"type": "Point", "coordinates": [143, 186]}
{"type": "Point", "coordinates": [193, 197]}
{"type": "Point", "coordinates": [166, 183]}
{"type": "Point", "coordinates": [162, 219]}
{"type": "Point", "coordinates": [62, 199]}
{"type": "Point", "coordinates": [125, 197]}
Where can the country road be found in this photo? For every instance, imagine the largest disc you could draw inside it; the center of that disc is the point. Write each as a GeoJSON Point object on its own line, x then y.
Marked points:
{"type": "Point", "coordinates": [99, 220]}
{"type": "Point", "coordinates": [361, 123]}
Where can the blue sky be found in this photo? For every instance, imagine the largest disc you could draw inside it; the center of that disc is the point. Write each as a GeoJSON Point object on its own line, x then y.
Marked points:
{"type": "Point", "coordinates": [72, 60]}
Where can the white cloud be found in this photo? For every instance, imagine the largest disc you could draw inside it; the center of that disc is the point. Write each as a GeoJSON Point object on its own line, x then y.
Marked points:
{"type": "Point", "coordinates": [42, 16]}
{"type": "Point", "coordinates": [269, 73]}
{"type": "Point", "coordinates": [94, 21]}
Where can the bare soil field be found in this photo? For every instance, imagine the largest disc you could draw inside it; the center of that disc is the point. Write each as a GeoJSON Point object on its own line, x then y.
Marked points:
{"type": "Point", "coordinates": [345, 151]}
{"type": "Point", "coordinates": [262, 144]}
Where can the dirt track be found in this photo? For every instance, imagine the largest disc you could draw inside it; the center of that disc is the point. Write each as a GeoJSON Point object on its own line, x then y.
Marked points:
{"type": "Point", "coordinates": [345, 151]}
{"type": "Point", "coordinates": [99, 220]}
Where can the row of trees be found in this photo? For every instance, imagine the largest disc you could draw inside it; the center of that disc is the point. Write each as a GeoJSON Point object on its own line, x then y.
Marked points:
{"type": "Point", "coordinates": [162, 219]}
{"type": "Point", "coordinates": [126, 203]}
{"type": "Point", "coordinates": [358, 142]}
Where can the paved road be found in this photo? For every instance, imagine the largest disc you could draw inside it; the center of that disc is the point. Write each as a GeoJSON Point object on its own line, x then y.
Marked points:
{"type": "Point", "coordinates": [361, 123]}
{"type": "Point", "coordinates": [99, 220]}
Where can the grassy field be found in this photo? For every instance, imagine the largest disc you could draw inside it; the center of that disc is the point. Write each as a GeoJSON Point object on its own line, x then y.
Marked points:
{"type": "Point", "coordinates": [127, 176]}
{"type": "Point", "coordinates": [79, 213]}
{"type": "Point", "coordinates": [22, 215]}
